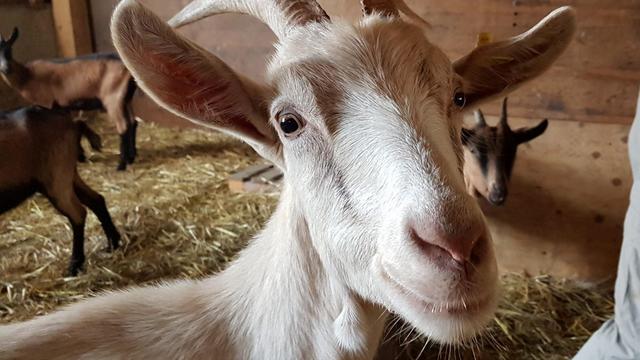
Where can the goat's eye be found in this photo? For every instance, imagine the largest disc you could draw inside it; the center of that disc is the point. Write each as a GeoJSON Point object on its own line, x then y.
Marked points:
{"type": "Point", "coordinates": [290, 124]}
{"type": "Point", "coordinates": [459, 99]}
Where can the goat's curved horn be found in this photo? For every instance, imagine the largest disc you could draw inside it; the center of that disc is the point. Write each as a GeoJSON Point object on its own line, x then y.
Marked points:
{"type": "Point", "coordinates": [12, 38]}
{"type": "Point", "coordinates": [503, 115]}
{"type": "Point", "coordinates": [280, 15]}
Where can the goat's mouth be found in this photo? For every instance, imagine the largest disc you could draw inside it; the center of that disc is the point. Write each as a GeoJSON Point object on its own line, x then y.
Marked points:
{"type": "Point", "coordinates": [448, 321]}
{"type": "Point", "coordinates": [459, 307]}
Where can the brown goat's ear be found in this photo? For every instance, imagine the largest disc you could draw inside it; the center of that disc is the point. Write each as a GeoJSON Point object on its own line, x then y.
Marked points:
{"type": "Point", "coordinates": [496, 69]}
{"type": "Point", "coordinates": [189, 81]}
{"type": "Point", "coordinates": [527, 134]}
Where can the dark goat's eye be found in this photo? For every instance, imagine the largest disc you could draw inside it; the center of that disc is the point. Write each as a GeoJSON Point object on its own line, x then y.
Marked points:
{"type": "Point", "coordinates": [459, 99]}
{"type": "Point", "coordinates": [290, 124]}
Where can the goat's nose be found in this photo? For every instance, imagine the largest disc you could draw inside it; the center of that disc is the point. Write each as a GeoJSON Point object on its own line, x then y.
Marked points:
{"type": "Point", "coordinates": [498, 195]}
{"type": "Point", "coordinates": [462, 246]}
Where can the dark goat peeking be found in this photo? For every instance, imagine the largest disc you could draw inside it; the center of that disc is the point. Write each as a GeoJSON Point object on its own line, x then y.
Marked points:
{"type": "Point", "coordinates": [490, 152]}
{"type": "Point", "coordinates": [92, 82]}
{"type": "Point", "coordinates": [40, 152]}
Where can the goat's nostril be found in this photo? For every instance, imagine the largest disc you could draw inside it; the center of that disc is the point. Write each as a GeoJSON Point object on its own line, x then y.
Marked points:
{"type": "Point", "coordinates": [497, 198]}
{"type": "Point", "coordinates": [434, 251]}
{"type": "Point", "coordinates": [461, 248]}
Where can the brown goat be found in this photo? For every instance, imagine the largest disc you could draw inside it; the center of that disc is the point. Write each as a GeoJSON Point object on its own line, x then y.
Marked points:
{"type": "Point", "coordinates": [490, 153]}
{"type": "Point", "coordinates": [44, 150]}
{"type": "Point", "coordinates": [93, 82]}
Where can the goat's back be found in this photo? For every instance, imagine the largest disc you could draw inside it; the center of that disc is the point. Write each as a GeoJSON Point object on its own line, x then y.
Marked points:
{"type": "Point", "coordinates": [63, 83]}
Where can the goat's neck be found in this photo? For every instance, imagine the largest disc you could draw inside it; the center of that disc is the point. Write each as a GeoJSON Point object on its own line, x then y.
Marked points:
{"type": "Point", "coordinates": [288, 305]}
{"type": "Point", "coordinates": [18, 76]}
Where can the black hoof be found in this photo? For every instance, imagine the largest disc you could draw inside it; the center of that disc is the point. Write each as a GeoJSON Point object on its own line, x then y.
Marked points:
{"type": "Point", "coordinates": [122, 167]}
{"type": "Point", "coordinates": [113, 246]}
{"type": "Point", "coordinates": [74, 268]}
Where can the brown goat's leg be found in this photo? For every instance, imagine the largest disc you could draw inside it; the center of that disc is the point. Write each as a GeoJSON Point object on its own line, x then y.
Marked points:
{"type": "Point", "coordinates": [81, 155]}
{"type": "Point", "coordinates": [133, 127]}
{"type": "Point", "coordinates": [124, 148]}
{"type": "Point", "coordinates": [64, 199]}
{"type": "Point", "coordinates": [96, 203]}
{"type": "Point", "coordinates": [117, 114]}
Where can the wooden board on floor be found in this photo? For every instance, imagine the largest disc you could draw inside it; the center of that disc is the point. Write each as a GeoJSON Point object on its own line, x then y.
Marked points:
{"type": "Point", "coordinates": [257, 178]}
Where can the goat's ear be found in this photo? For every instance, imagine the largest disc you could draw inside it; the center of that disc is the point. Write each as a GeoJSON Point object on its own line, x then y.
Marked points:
{"type": "Point", "coordinates": [14, 36]}
{"type": "Point", "coordinates": [189, 81]}
{"type": "Point", "coordinates": [466, 135]}
{"type": "Point", "coordinates": [527, 134]}
{"type": "Point", "coordinates": [496, 69]}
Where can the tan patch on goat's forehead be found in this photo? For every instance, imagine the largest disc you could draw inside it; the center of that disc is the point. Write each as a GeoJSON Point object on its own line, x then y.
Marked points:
{"type": "Point", "coordinates": [392, 58]}
{"type": "Point", "coordinates": [303, 11]}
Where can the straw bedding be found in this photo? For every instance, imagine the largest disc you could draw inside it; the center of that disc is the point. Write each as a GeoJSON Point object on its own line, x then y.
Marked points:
{"type": "Point", "coordinates": [178, 219]}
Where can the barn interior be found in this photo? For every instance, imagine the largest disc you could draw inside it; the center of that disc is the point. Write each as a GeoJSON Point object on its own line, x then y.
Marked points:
{"type": "Point", "coordinates": [557, 237]}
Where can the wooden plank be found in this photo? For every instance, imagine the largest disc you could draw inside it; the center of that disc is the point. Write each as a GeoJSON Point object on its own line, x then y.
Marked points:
{"type": "Point", "coordinates": [272, 176]}
{"type": "Point", "coordinates": [256, 178]}
{"type": "Point", "coordinates": [237, 180]}
{"type": "Point", "coordinates": [73, 30]}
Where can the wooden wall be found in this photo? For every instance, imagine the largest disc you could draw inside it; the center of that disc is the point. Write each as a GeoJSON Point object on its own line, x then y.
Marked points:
{"type": "Point", "coordinates": [595, 81]}
{"type": "Point", "coordinates": [570, 186]}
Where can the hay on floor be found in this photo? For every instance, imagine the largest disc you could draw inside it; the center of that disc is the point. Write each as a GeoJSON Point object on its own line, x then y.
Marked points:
{"type": "Point", "coordinates": [178, 220]}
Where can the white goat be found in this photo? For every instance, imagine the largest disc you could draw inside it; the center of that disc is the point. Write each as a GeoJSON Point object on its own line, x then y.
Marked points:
{"type": "Point", "coordinates": [365, 121]}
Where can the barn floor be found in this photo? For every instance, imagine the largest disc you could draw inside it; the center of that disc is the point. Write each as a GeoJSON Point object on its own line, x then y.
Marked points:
{"type": "Point", "coordinates": [179, 220]}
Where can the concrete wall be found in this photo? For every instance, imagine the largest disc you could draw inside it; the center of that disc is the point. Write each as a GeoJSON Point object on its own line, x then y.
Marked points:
{"type": "Point", "coordinates": [570, 186]}
{"type": "Point", "coordinates": [37, 39]}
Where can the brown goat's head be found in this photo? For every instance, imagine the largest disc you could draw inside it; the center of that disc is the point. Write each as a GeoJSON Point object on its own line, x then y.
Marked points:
{"type": "Point", "coordinates": [6, 55]}
{"type": "Point", "coordinates": [490, 152]}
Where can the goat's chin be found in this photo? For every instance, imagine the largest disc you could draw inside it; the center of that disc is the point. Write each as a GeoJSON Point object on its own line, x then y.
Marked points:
{"type": "Point", "coordinates": [448, 326]}
{"type": "Point", "coordinates": [450, 322]}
